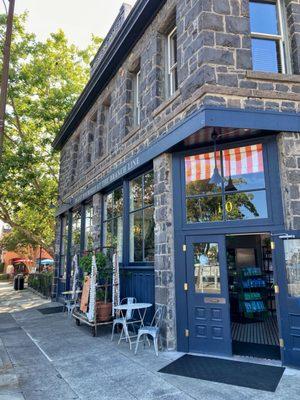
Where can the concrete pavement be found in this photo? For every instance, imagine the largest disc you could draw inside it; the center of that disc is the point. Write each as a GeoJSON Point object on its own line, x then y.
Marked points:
{"type": "Point", "coordinates": [48, 357]}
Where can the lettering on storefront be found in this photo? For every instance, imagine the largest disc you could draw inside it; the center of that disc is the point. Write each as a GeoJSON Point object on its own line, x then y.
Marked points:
{"type": "Point", "coordinates": [118, 173]}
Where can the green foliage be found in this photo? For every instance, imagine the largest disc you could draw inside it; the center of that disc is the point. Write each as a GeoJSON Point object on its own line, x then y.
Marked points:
{"type": "Point", "coordinates": [46, 79]}
{"type": "Point", "coordinates": [103, 267]}
{"type": "Point", "coordinates": [15, 240]}
{"type": "Point", "coordinates": [4, 277]}
{"type": "Point", "coordinates": [1, 267]}
{"type": "Point", "coordinates": [41, 282]}
{"type": "Point", "coordinates": [104, 273]}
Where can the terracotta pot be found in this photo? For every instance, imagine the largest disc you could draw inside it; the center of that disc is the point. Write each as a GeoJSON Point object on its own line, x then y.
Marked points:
{"type": "Point", "coordinates": [103, 311]}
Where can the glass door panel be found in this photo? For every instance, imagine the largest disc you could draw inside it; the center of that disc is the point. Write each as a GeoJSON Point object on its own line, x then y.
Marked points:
{"type": "Point", "coordinates": [207, 295]}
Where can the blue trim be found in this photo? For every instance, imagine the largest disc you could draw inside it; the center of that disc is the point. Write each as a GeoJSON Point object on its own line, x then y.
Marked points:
{"type": "Point", "coordinates": [183, 231]}
{"type": "Point", "coordinates": [273, 193]}
{"type": "Point", "coordinates": [139, 283]}
{"type": "Point", "coordinates": [228, 118]}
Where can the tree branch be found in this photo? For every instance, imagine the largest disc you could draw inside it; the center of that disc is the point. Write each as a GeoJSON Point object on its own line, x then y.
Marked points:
{"type": "Point", "coordinates": [5, 217]}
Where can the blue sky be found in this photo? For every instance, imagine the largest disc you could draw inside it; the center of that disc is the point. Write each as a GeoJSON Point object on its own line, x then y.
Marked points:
{"type": "Point", "coordinates": [78, 18]}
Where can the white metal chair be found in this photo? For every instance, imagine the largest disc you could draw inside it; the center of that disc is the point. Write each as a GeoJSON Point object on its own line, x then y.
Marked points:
{"type": "Point", "coordinates": [152, 330]}
{"type": "Point", "coordinates": [128, 317]}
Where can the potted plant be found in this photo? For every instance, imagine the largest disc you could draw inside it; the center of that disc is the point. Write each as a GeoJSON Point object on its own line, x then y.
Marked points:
{"type": "Point", "coordinates": [104, 276]}
{"type": "Point", "coordinates": [103, 300]}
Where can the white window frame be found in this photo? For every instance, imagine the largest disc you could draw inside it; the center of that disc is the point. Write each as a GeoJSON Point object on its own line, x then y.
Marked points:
{"type": "Point", "coordinates": [137, 99]}
{"type": "Point", "coordinates": [171, 65]}
{"type": "Point", "coordinates": [281, 38]}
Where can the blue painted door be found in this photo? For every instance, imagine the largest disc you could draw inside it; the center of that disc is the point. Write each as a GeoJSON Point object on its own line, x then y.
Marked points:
{"type": "Point", "coordinates": [207, 295]}
{"type": "Point", "coordinates": [287, 259]}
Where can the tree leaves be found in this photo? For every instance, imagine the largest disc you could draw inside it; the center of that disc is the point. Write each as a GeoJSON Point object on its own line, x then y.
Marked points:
{"type": "Point", "coordinates": [46, 79]}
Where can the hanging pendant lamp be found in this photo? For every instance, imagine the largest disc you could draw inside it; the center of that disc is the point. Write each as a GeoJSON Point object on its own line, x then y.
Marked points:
{"type": "Point", "coordinates": [216, 178]}
{"type": "Point", "coordinates": [230, 185]}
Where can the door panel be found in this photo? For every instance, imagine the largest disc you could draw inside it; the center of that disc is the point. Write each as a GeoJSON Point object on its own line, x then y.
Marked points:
{"type": "Point", "coordinates": [208, 305]}
{"type": "Point", "coordinates": [287, 256]}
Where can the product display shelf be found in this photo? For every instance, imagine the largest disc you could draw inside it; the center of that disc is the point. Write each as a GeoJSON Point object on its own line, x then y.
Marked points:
{"type": "Point", "coordinates": [269, 274]}
{"type": "Point", "coordinates": [252, 293]}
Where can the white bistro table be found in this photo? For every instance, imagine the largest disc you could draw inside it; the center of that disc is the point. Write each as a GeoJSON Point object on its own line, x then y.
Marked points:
{"type": "Point", "coordinates": [141, 309]}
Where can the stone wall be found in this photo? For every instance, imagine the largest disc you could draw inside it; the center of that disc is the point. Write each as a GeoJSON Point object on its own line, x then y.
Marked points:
{"type": "Point", "coordinates": [293, 19]}
{"type": "Point", "coordinates": [164, 247]}
{"type": "Point", "coordinates": [214, 67]}
{"type": "Point", "coordinates": [289, 157]}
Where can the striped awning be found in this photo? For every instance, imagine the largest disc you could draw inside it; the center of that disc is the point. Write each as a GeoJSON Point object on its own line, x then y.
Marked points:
{"type": "Point", "coordinates": [236, 161]}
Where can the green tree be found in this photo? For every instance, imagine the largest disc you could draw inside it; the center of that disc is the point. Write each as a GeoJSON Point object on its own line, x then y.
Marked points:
{"type": "Point", "coordinates": [46, 79]}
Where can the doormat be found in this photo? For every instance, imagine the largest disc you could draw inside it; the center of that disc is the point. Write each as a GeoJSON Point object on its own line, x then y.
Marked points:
{"type": "Point", "coordinates": [266, 351]}
{"type": "Point", "coordinates": [237, 373]}
{"type": "Point", "coordinates": [51, 310]}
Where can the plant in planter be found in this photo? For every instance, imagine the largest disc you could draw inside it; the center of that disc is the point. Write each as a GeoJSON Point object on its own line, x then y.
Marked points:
{"type": "Point", "coordinates": [104, 303]}
{"type": "Point", "coordinates": [104, 277]}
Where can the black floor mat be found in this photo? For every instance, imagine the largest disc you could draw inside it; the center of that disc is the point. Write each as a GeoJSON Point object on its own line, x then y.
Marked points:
{"type": "Point", "coordinates": [254, 376]}
{"type": "Point", "coordinates": [266, 351]}
{"type": "Point", "coordinates": [50, 310]}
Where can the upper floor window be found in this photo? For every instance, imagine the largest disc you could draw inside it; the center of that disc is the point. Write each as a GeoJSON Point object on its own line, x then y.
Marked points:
{"type": "Point", "coordinates": [239, 193]}
{"type": "Point", "coordinates": [137, 98]}
{"type": "Point", "coordinates": [103, 142]}
{"type": "Point", "coordinates": [113, 221]}
{"type": "Point", "coordinates": [267, 36]}
{"type": "Point", "coordinates": [172, 70]}
{"type": "Point", "coordinates": [142, 218]}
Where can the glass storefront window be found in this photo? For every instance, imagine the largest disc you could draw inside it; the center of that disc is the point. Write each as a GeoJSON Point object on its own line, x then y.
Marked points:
{"type": "Point", "coordinates": [113, 221]}
{"type": "Point", "coordinates": [142, 218]}
{"type": "Point", "coordinates": [76, 237]}
{"type": "Point", "coordinates": [241, 195]}
{"type": "Point", "coordinates": [207, 268]}
{"type": "Point", "coordinates": [292, 265]}
{"type": "Point", "coordinates": [88, 237]}
{"type": "Point", "coordinates": [76, 233]}
{"type": "Point", "coordinates": [198, 170]}
{"type": "Point", "coordinates": [63, 247]}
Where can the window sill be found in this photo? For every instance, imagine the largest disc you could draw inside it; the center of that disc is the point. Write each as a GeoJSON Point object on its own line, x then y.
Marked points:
{"type": "Point", "coordinates": [166, 103]}
{"type": "Point", "coordinates": [131, 133]}
{"type": "Point", "coordinates": [138, 266]}
{"type": "Point", "coordinates": [271, 76]}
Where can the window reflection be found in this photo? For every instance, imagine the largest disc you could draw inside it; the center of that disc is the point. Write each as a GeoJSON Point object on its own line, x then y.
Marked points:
{"type": "Point", "coordinates": [245, 167]}
{"type": "Point", "coordinates": [242, 191]}
{"type": "Point", "coordinates": [113, 221]}
{"type": "Point", "coordinates": [198, 171]}
{"type": "Point", "coordinates": [246, 205]}
{"type": "Point", "coordinates": [292, 264]}
{"type": "Point", "coordinates": [142, 218]}
{"type": "Point", "coordinates": [207, 268]}
{"type": "Point", "coordinates": [64, 247]}
{"type": "Point", "coordinates": [88, 239]}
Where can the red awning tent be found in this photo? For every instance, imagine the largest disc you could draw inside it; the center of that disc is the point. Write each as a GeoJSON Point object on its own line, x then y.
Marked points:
{"type": "Point", "coordinates": [17, 260]}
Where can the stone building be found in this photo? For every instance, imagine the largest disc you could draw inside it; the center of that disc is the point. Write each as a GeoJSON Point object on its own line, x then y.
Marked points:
{"type": "Point", "coordinates": [183, 153]}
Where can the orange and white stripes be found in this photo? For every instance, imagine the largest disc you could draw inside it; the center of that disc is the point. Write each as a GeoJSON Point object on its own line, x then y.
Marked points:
{"type": "Point", "coordinates": [236, 161]}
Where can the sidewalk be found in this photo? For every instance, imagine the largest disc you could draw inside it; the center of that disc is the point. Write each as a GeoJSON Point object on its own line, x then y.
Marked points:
{"type": "Point", "coordinates": [52, 358]}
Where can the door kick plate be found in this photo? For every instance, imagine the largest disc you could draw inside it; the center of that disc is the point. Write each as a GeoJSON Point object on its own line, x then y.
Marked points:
{"type": "Point", "coordinates": [214, 300]}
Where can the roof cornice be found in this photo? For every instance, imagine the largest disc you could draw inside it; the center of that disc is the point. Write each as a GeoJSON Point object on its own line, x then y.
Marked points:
{"type": "Point", "coordinates": [133, 28]}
